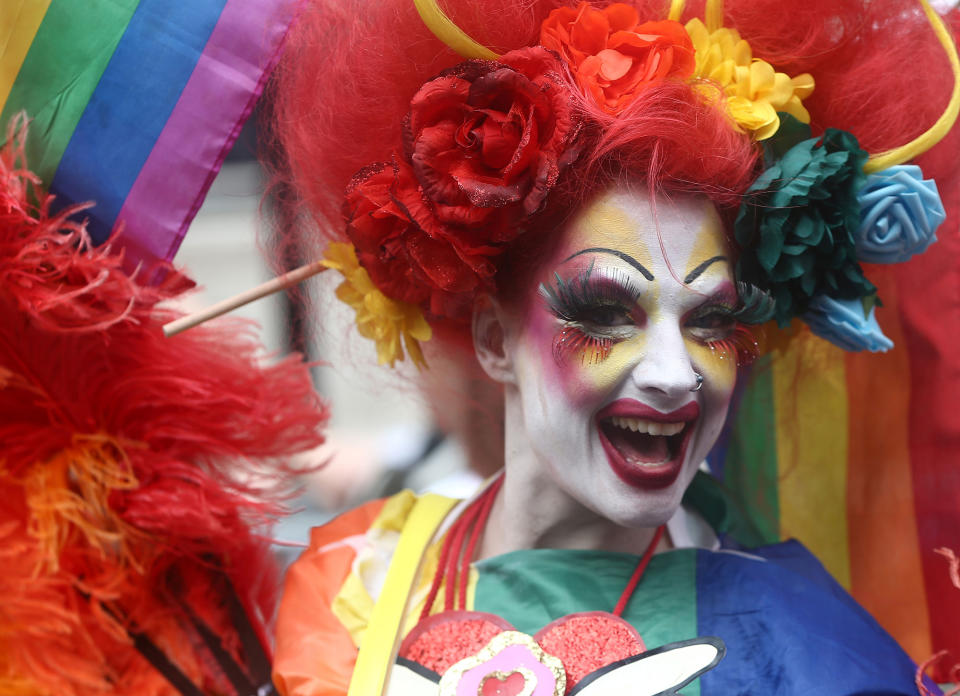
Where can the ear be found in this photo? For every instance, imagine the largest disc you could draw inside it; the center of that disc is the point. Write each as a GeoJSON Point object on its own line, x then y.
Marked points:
{"type": "Point", "coordinates": [489, 341]}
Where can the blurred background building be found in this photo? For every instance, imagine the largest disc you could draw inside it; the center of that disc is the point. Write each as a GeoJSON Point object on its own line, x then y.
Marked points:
{"type": "Point", "coordinates": [382, 436]}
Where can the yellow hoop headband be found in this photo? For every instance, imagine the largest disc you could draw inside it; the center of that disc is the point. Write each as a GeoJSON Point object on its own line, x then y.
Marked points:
{"type": "Point", "coordinates": [448, 32]}
{"type": "Point", "coordinates": [454, 37]}
{"type": "Point", "coordinates": [938, 130]}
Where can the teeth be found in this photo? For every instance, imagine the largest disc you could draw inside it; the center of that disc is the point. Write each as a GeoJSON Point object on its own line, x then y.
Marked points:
{"type": "Point", "coordinates": [639, 425]}
{"type": "Point", "coordinates": [645, 464]}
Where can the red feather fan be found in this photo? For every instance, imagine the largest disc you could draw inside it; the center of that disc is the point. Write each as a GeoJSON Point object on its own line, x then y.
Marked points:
{"type": "Point", "coordinates": [137, 472]}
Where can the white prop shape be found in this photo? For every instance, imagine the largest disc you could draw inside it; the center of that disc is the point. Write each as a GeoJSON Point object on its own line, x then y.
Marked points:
{"type": "Point", "coordinates": [658, 672]}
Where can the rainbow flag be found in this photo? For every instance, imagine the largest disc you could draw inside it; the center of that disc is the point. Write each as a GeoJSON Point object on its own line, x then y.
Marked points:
{"type": "Point", "coordinates": [135, 103]}
{"type": "Point", "coordinates": [771, 608]}
{"type": "Point", "coordinates": [858, 455]}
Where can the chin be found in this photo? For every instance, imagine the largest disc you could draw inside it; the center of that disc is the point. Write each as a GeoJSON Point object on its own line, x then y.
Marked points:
{"type": "Point", "coordinates": [625, 505]}
{"type": "Point", "coordinates": [641, 509]}
{"type": "Point", "coordinates": [648, 458]}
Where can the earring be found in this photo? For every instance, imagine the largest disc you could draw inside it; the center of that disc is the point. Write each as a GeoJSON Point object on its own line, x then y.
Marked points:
{"type": "Point", "coordinates": [699, 381]}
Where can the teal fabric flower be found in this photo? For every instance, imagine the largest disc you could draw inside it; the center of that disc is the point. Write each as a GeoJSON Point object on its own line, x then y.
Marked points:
{"type": "Point", "coordinates": [900, 212]}
{"type": "Point", "coordinates": [846, 323]}
{"type": "Point", "coordinates": [796, 231]}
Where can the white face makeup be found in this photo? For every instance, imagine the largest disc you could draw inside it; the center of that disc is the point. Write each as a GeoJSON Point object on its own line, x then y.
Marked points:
{"type": "Point", "coordinates": [604, 358]}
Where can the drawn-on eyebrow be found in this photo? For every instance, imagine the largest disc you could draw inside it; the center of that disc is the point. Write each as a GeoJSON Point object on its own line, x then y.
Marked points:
{"type": "Point", "coordinates": [619, 254]}
{"type": "Point", "coordinates": [695, 273]}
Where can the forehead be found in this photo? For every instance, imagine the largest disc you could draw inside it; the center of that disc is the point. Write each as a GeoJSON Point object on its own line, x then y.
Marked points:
{"type": "Point", "coordinates": [686, 229]}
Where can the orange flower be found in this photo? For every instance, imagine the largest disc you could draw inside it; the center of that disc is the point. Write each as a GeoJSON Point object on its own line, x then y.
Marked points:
{"type": "Point", "coordinates": [613, 56]}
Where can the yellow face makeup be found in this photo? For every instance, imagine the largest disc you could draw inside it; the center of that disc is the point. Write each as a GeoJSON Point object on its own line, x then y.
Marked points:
{"type": "Point", "coordinates": [618, 274]}
{"type": "Point", "coordinates": [621, 358]}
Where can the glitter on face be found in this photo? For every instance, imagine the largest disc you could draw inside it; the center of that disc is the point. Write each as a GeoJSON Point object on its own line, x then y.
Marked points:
{"type": "Point", "coordinates": [634, 301]}
{"type": "Point", "coordinates": [592, 308]}
{"type": "Point", "coordinates": [741, 347]}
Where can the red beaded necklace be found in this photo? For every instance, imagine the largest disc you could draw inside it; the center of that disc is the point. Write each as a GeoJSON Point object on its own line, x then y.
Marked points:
{"type": "Point", "coordinates": [457, 652]}
{"type": "Point", "coordinates": [458, 548]}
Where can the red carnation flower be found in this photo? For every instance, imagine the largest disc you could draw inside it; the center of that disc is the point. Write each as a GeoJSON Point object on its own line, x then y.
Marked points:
{"type": "Point", "coordinates": [488, 139]}
{"type": "Point", "coordinates": [408, 253]}
{"type": "Point", "coordinates": [613, 56]}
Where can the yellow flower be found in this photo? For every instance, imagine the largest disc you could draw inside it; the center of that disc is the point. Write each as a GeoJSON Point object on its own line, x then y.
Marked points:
{"type": "Point", "coordinates": [755, 92]}
{"type": "Point", "coordinates": [389, 323]}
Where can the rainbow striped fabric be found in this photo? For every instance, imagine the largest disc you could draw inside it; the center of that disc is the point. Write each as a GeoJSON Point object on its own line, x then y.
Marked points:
{"type": "Point", "coordinates": [135, 103]}
{"type": "Point", "coordinates": [858, 455]}
{"type": "Point", "coordinates": [786, 626]}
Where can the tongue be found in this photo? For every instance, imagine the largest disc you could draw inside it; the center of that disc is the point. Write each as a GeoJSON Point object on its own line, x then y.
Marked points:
{"type": "Point", "coordinates": [640, 447]}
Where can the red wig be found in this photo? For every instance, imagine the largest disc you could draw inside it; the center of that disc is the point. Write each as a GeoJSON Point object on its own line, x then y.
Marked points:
{"type": "Point", "coordinates": [351, 68]}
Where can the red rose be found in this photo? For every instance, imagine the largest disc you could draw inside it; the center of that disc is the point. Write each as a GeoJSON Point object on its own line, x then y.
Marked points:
{"type": "Point", "coordinates": [408, 253]}
{"type": "Point", "coordinates": [488, 139]}
{"type": "Point", "coordinates": [613, 56]}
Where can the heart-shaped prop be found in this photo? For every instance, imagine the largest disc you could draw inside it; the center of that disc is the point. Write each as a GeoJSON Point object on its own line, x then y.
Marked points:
{"type": "Point", "coordinates": [480, 654]}
{"type": "Point", "coordinates": [509, 654]}
{"type": "Point", "coordinates": [513, 684]}
{"type": "Point", "coordinates": [584, 642]}
{"type": "Point", "coordinates": [588, 641]}
{"type": "Point", "coordinates": [658, 672]}
{"type": "Point", "coordinates": [443, 639]}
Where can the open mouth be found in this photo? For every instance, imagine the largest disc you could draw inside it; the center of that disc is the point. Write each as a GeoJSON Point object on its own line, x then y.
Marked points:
{"type": "Point", "coordinates": [646, 448]}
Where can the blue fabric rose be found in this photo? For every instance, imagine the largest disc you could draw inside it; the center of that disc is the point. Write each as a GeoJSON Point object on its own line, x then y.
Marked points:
{"type": "Point", "coordinates": [899, 215]}
{"type": "Point", "coordinates": [844, 323]}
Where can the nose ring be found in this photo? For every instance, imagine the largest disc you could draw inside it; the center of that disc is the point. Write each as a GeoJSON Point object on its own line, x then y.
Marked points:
{"type": "Point", "coordinates": [699, 381]}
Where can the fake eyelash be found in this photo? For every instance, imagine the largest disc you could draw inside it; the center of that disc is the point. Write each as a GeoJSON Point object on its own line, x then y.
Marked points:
{"type": "Point", "coordinates": [741, 346]}
{"type": "Point", "coordinates": [573, 340]}
{"type": "Point", "coordinates": [571, 302]}
{"type": "Point", "coordinates": [756, 305]}
{"type": "Point", "coordinates": [569, 299]}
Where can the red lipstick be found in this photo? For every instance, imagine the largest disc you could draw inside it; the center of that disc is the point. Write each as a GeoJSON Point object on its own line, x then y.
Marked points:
{"type": "Point", "coordinates": [621, 446]}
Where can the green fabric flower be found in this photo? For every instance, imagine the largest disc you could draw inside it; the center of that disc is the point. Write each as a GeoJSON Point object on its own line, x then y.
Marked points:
{"type": "Point", "coordinates": [797, 223]}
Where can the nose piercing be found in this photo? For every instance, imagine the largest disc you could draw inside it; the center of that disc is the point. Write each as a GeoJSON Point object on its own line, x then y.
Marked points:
{"type": "Point", "coordinates": [699, 381]}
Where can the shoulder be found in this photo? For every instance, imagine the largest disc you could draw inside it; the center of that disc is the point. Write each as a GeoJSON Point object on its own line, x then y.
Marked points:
{"type": "Point", "coordinates": [782, 615]}
{"type": "Point", "coordinates": [327, 596]}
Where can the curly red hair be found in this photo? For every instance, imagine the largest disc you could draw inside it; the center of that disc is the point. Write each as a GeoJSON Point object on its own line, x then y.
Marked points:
{"type": "Point", "coordinates": [351, 68]}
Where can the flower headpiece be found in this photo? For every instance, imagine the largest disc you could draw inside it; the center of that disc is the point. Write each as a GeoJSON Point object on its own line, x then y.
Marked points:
{"type": "Point", "coordinates": [486, 141]}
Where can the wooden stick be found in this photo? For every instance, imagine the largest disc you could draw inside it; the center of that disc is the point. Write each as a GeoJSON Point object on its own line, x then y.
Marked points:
{"type": "Point", "coordinates": [279, 283]}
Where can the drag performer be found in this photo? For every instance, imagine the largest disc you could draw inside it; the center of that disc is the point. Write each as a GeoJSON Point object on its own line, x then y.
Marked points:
{"type": "Point", "coordinates": [611, 206]}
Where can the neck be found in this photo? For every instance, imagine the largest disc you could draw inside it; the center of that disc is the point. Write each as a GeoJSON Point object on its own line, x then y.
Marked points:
{"type": "Point", "coordinates": [531, 511]}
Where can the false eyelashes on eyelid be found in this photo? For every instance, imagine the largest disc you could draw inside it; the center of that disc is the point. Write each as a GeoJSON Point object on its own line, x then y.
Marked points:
{"type": "Point", "coordinates": [573, 341]}
{"type": "Point", "coordinates": [572, 300]}
{"type": "Point", "coordinates": [569, 299]}
{"type": "Point", "coordinates": [756, 305]}
{"type": "Point", "coordinates": [740, 346]}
